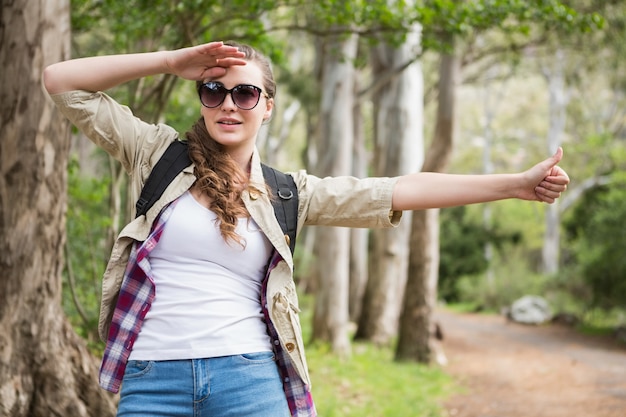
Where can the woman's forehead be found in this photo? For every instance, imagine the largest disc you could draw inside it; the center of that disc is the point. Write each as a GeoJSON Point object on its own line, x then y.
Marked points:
{"type": "Point", "coordinates": [241, 74]}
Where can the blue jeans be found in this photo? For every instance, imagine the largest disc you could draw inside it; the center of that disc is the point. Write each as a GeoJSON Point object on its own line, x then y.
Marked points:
{"type": "Point", "coordinates": [237, 386]}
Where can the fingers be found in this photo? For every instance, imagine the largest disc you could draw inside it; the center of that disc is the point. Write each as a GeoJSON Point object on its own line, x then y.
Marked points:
{"type": "Point", "coordinates": [551, 187]}
{"type": "Point", "coordinates": [221, 57]}
{"type": "Point", "coordinates": [214, 72]}
{"type": "Point", "coordinates": [557, 179]}
{"type": "Point", "coordinates": [221, 52]}
{"type": "Point", "coordinates": [558, 175]}
{"type": "Point", "coordinates": [550, 163]}
{"type": "Point", "coordinates": [546, 195]}
{"type": "Point", "coordinates": [228, 62]}
{"type": "Point", "coordinates": [220, 68]}
{"type": "Point", "coordinates": [548, 191]}
{"type": "Point", "coordinates": [558, 155]}
{"type": "Point", "coordinates": [203, 61]}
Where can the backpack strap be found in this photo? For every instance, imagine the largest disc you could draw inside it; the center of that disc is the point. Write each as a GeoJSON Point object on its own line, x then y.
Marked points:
{"type": "Point", "coordinates": [176, 158]}
{"type": "Point", "coordinates": [285, 202]}
{"type": "Point", "coordinates": [173, 161]}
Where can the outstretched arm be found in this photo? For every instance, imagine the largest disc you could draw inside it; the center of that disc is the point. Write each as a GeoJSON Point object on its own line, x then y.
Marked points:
{"type": "Point", "coordinates": [543, 182]}
{"type": "Point", "coordinates": [103, 72]}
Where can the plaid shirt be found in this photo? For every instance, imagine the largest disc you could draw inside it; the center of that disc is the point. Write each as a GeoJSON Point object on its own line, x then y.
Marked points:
{"type": "Point", "coordinates": [135, 298]}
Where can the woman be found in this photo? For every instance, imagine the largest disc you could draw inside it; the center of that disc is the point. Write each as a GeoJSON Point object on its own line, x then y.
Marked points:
{"type": "Point", "coordinates": [199, 308]}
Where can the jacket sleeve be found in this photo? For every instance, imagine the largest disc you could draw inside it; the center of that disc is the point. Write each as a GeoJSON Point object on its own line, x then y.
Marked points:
{"type": "Point", "coordinates": [345, 201]}
{"type": "Point", "coordinates": [114, 128]}
{"type": "Point", "coordinates": [137, 145]}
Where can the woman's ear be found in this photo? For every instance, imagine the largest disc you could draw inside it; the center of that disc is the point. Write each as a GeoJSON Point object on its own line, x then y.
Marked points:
{"type": "Point", "coordinates": [269, 107]}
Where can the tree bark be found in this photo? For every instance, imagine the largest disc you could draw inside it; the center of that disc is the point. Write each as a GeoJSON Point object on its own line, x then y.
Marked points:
{"type": "Point", "coordinates": [492, 101]}
{"type": "Point", "coordinates": [398, 108]}
{"type": "Point", "coordinates": [45, 368]}
{"type": "Point", "coordinates": [558, 107]}
{"type": "Point", "coordinates": [414, 338]}
{"type": "Point", "coordinates": [414, 341]}
{"type": "Point", "coordinates": [358, 237]}
{"type": "Point", "coordinates": [332, 246]}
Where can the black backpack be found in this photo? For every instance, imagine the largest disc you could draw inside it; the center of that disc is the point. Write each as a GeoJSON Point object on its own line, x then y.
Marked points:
{"type": "Point", "coordinates": [176, 158]}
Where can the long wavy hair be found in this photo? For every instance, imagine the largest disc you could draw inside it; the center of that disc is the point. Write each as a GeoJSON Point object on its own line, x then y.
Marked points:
{"type": "Point", "coordinates": [217, 174]}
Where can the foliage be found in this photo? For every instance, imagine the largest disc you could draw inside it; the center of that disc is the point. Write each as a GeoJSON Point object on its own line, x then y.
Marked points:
{"type": "Point", "coordinates": [148, 25]}
{"type": "Point", "coordinates": [598, 321]}
{"type": "Point", "coordinates": [108, 26]}
{"type": "Point", "coordinates": [462, 248]}
{"type": "Point", "coordinates": [132, 26]}
{"type": "Point", "coordinates": [606, 45]}
{"type": "Point", "coordinates": [370, 382]}
{"type": "Point", "coordinates": [185, 22]}
{"type": "Point", "coordinates": [509, 279]}
{"type": "Point", "coordinates": [86, 253]}
{"type": "Point", "coordinates": [592, 147]}
{"type": "Point", "coordinates": [442, 19]}
{"type": "Point", "coordinates": [596, 230]}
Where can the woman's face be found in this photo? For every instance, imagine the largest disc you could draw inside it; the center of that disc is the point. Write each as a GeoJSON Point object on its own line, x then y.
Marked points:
{"type": "Point", "coordinates": [234, 128]}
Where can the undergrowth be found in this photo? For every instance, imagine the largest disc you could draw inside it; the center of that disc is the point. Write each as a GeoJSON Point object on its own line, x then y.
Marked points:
{"type": "Point", "coordinates": [370, 383]}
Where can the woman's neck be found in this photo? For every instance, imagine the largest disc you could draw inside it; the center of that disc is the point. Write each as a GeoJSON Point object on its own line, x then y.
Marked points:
{"type": "Point", "coordinates": [243, 158]}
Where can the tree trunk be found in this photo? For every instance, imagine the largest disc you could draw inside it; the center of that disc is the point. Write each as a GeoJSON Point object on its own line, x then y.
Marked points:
{"type": "Point", "coordinates": [332, 246]}
{"type": "Point", "coordinates": [414, 341]}
{"type": "Point", "coordinates": [45, 368]}
{"type": "Point", "coordinates": [399, 148]}
{"type": "Point", "coordinates": [491, 103]}
{"type": "Point", "coordinates": [358, 237]}
{"type": "Point", "coordinates": [558, 107]}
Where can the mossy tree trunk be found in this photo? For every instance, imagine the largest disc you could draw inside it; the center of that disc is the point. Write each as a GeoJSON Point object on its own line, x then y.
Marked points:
{"type": "Point", "coordinates": [45, 368]}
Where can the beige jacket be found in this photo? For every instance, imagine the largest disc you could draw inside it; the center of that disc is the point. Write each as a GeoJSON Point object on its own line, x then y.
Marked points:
{"type": "Point", "coordinates": [339, 201]}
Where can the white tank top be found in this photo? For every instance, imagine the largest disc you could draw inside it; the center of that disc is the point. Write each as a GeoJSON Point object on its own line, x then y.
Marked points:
{"type": "Point", "coordinates": [208, 291]}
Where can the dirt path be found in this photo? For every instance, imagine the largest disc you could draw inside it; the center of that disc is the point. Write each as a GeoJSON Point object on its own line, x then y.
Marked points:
{"type": "Point", "coordinates": [513, 370]}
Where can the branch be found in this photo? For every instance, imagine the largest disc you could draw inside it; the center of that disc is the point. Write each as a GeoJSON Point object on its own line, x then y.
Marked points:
{"type": "Point", "coordinates": [470, 57]}
{"type": "Point", "coordinates": [72, 284]}
{"type": "Point", "coordinates": [575, 193]}
{"type": "Point", "coordinates": [385, 79]}
{"type": "Point", "coordinates": [322, 31]}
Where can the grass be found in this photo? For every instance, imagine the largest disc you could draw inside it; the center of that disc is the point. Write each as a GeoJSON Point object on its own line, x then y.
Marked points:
{"type": "Point", "coordinates": [370, 383]}
{"type": "Point", "coordinates": [601, 323]}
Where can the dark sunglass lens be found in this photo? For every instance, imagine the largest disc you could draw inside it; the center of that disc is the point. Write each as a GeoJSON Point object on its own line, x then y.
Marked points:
{"type": "Point", "coordinates": [212, 94]}
{"type": "Point", "coordinates": [246, 97]}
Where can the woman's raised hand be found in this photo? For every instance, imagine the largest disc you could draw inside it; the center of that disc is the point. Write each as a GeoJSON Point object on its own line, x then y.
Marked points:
{"type": "Point", "coordinates": [203, 61]}
{"type": "Point", "coordinates": [545, 181]}
{"type": "Point", "coordinates": [100, 73]}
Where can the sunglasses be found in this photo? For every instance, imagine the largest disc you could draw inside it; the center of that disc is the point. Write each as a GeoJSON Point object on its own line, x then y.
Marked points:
{"type": "Point", "coordinates": [245, 96]}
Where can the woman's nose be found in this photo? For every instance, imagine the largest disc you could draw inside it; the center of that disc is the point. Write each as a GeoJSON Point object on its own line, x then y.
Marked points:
{"type": "Point", "coordinates": [228, 103]}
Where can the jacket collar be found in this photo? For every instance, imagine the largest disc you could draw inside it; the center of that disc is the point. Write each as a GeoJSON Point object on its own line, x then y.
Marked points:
{"type": "Point", "coordinates": [256, 173]}
{"type": "Point", "coordinates": [257, 201]}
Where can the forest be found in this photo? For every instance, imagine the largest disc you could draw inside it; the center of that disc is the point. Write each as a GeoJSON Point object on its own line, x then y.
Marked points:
{"type": "Point", "coordinates": [365, 88]}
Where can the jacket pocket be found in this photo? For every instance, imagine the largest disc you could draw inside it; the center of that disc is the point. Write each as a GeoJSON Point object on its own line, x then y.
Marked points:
{"type": "Point", "coordinates": [287, 323]}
